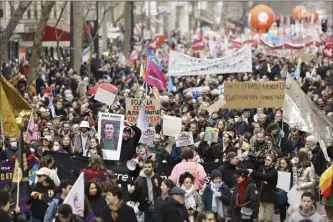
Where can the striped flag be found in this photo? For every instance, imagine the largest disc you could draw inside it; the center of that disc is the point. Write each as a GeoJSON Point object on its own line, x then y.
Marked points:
{"type": "Point", "coordinates": [325, 183]}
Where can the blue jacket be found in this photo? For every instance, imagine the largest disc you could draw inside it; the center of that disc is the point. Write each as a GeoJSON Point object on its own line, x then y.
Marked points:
{"type": "Point", "coordinates": [207, 196]}
{"type": "Point", "coordinates": [176, 154]}
{"type": "Point", "coordinates": [52, 209]}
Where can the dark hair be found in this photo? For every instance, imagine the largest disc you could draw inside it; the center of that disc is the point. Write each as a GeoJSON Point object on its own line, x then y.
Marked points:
{"type": "Point", "coordinates": [98, 148]}
{"type": "Point", "coordinates": [185, 175]}
{"type": "Point", "coordinates": [271, 127]}
{"type": "Point", "coordinates": [64, 184]}
{"type": "Point", "coordinates": [45, 161]}
{"type": "Point", "coordinates": [149, 161]}
{"type": "Point", "coordinates": [169, 183]}
{"type": "Point", "coordinates": [308, 194]}
{"type": "Point", "coordinates": [187, 153]}
{"type": "Point", "coordinates": [116, 191]}
{"type": "Point", "coordinates": [87, 188]}
{"type": "Point", "coordinates": [273, 157]}
{"type": "Point", "coordinates": [4, 197]}
{"type": "Point", "coordinates": [203, 215]}
{"type": "Point", "coordinates": [65, 210]}
{"type": "Point", "coordinates": [106, 186]}
{"type": "Point", "coordinates": [289, 167]}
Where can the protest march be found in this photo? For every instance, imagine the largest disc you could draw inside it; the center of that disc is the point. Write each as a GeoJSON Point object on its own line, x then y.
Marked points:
{"type": "Point", "coordinates": [224, 124]}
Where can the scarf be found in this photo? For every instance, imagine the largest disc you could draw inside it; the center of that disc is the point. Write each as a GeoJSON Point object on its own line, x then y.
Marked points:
{"type": "Point", "coordinates": [189, 200]}
{"type": "Point", "coordinates": [241, 191]}
{"type": "Point", "coordinates": [215, 188]}
{"type": "Point", "coordinates": [115, 209]}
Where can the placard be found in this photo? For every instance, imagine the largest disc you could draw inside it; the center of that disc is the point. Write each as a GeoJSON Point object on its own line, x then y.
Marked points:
{"type": "Point", "coordinates": [104, 96]}
{"type": "Point", "coordinates": [211, 134]}
{"type": "Point", "coordinates": [171, 126]}
{"type": "Point", "coordinates": [284, 181]}
{"type": "Point", "coordinates": [184, 139]}
{"type": "Point", "coordinates": [216, 106]}
{"type": "Point", "coordinates": [110, 134]}
{"type": "Point", "coordinates": [241, 95]}
{"type": "Point", "coordinates": [153, 112]}
{"type": "Point", "coordinates": [147, 136]}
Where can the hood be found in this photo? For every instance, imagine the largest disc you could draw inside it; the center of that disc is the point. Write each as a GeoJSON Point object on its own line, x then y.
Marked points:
{"type": "Point", "coordinates": [306, 215]}
{"type": "Point", "coordinates": [142, 174]}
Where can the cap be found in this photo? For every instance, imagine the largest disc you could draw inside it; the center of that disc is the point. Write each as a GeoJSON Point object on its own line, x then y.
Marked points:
{"type": "Point", "coordinates": [44, 171]}
{"type": "Point", "coordinates": [231, 155]}
{"type": "Point", "coordinates": [215, 173]}
{"type": "Point", "coordinates": [177, 191]}
{"type": "Point", "coordinates": [84, 124]}
{"type": "Point", "coordinates": [48, 138]}
{"type": "Point", "coordinates": [241, 173]}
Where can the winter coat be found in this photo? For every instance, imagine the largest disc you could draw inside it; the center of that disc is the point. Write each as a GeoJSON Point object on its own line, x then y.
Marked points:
{"type": "Point", "coordinates": [318, 160]}
{"type": "Point", "coordinates": [222, 202]}
{"type": "Point", "coordinates": [251, 196]}
{"type": "Point", "coordinates": [268, 180]}
{"type": "Point", "coordinates": [172, 211]}
{"type": "Point", "coordinates": [52, 209]}
{"type": "Point", "coordinates": [141, 193]}
{"type": "Point", "coordinates": [196, 169]}
{"type": "Point", "coordinates": [305, 178]}
{"type": "Point", "coordinates": [125, 214]}
{"type": "Point", "coordinates": [227, 170]}
{"type": "Point", "coordinates": [302, 216]}
{"type": "Point", "coordinates": [128, 147]}
{"type": "Point", "coordinates": [97, 203]}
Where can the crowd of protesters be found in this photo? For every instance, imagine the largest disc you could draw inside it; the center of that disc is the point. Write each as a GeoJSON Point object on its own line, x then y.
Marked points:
{"type": "Point", "coordinates": [253, 145]}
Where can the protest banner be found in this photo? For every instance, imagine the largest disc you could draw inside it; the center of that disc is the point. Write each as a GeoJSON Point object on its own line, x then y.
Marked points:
{"type": "Point", "coordinates": [184, 65]}
{"type": "Point", "coordinates": [110, 134]}
{"type": "Point", "coordinates": [104, 96]}
{"type": "Point", "coordinates": [184, 139]}
{"type": "Point", "coordinates": [241, 95]}
{"type": "Point", "coordinates": [133, 106]}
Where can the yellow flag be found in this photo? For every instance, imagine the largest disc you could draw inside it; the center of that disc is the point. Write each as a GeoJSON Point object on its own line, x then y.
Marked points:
{"type": "Point", "coordinates": [10, 127]}
{"type": "Point", "coordinates": [16, 102]}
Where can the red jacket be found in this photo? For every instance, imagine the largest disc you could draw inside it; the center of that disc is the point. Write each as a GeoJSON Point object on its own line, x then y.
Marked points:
{"type": "Point", "coordinates": [98, 176]}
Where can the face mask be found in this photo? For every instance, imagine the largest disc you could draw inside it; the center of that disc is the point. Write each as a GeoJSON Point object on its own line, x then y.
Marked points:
{"type": "Point", "coordinates": [237, 119]}
{"type": "Point", "coordinates": [13, 144]}
{"type": "Point", "coordinates": [32, 150]}
{"type": "Point", "coordinates": [56, 148]}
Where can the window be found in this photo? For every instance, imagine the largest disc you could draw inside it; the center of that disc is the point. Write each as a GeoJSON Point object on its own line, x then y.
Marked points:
{"type": "Point", "coordinates": [178, 11]}
{"type": "Point", "coordinates": [29, 14]}
{"type": "Point", "coordinates": [35, 10]}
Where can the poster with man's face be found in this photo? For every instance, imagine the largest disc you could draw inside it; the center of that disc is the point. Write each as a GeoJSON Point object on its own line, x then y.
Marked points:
{"type": "Point", "coordinates": [110, 134]}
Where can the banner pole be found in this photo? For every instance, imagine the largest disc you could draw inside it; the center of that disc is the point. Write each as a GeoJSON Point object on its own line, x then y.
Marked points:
{"type": "Point", "coordinates": [18, 188]}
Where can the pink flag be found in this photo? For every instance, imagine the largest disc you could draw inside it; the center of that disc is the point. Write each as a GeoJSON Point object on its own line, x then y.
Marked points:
{"type": "Point", "coordinates": [155, 77]}
{"type": "Point", "coordinates": [30, 135]}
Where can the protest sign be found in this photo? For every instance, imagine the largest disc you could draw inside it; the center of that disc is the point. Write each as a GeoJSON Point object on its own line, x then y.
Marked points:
{"type": "Point", "coordinates": [284, 180]}
{"type": "Point", "coordinates": [216, 106]}
{"type": "Point", "coordinates": [104, 96]}
{"type": "Point", "coordinates": [133, 106]}
{"type": "Point", "coordinates": [172, 126]}
{"type": "Point", "coordinates": [110, 134]}
{"type": "Point", "coordinates": [240, 95]}
{"type": "Point", "coordinates": [184, 65]}
{"type": "Point", "coordinates": [211, 134]}
{"type": "Point", "coordinates": [184, 139]}
{"type": "Point", "coordinates": [147, 136]}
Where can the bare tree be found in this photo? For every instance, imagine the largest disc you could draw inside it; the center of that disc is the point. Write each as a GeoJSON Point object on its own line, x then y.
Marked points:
{"type": "Point", "coordinates": [128, 28]}
{"type": "Point", "coordinates": [92, 38]}
{"type": "Point", "coordinates": [59, 36]}
{"type": "Point", "coordinates": [37, 43]}
{"type": "Point", "coordinates": [11, 26]}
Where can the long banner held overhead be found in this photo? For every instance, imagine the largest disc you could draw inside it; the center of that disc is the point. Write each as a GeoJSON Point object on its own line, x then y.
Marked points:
{"type": "Point", "coordinates": [152, 107]}
{"type": "Point", "coordinates": [240, 95]}
{"type": "Point", "coordinates": [183, 65]}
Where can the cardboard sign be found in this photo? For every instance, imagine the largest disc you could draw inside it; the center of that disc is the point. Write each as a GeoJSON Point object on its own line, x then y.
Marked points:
{"type": "Point", "coordinates": [241, 95]}
{"type": "Point", "coordinates": [184, 139]}
{"type": "Point", "coordinates": [172, 126]}
{"type": "Point", "coordinates": [104, 96]}
{"type": "Point", "coordinates": [216, 106]}
{"type": "Point", "coordinates": [133, 106]}
{"type": "Point", "coordinates": [147, 136]}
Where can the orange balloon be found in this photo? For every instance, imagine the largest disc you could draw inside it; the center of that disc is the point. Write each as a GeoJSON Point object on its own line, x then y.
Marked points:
{"type": "Point", "coordinates": [261, 18]}
{"type": "Point", "coordinates": [299, 12]}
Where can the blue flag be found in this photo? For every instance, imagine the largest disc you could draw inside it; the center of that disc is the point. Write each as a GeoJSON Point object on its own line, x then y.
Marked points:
{"type": "Point", "coordinates": [171, 87]}
{"type": "Point", "coordinates": [151, 57]}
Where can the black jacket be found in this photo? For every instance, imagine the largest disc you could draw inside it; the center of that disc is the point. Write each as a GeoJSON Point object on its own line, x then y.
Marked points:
{"type": "Point", "coordinates": [227, 170]}
{"type": "Point", "coordinates": [128, 147]}
{"type": "Point", "coordinates": [140, 193]}
{"type": "Point", "coordinates": [125, 214]}
{"type": "Point", "coordinates": [318, 160]}
{"type": "Point", "coordinates": [172, 211]}
{"type": "Point", "coordinates": [97, 203]}
{"type": "Point", "coordinates": [250, 197]}
{"type": "Point", "coordinates": [267, 184]}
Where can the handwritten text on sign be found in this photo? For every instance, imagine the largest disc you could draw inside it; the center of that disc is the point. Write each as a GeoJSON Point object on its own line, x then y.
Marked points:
{"type": "Point", "coordinates": [133, 107]}
{"type": "Point", "coordinates": [239, 95]}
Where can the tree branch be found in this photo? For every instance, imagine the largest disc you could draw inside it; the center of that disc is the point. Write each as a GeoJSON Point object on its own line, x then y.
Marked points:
{"type": "Point", "coordinates": [58, 20]}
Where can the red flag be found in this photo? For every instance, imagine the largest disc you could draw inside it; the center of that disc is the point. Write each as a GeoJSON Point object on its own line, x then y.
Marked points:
{"type": "Point", "coordinates": [155, 77]}
{"type": "Point", "coordinates": [198, 46]}
{"type": "Point", "coordinates": [157, 42]}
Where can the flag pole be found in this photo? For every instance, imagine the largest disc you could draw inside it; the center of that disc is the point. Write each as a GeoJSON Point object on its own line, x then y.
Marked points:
{"type": "Point", "coordinates": [18, 188]}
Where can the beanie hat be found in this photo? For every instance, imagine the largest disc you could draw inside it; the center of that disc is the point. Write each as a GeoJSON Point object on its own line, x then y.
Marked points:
{"type": "Point", "coordinates": [215, 173]}
{"type": "Point", "coordinates": [231, 155]}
